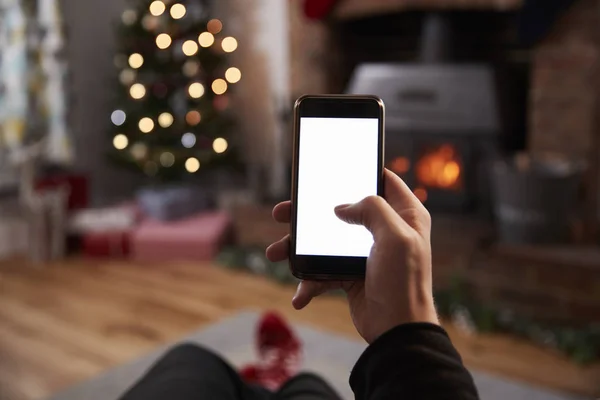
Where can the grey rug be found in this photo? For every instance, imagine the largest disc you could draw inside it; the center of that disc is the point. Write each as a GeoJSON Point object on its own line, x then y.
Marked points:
{"type": "Point", "coordinates": [329, 355]}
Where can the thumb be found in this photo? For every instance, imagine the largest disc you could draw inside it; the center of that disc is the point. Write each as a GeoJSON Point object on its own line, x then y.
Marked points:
{"type": "Point", "coordinates": [373, 212]}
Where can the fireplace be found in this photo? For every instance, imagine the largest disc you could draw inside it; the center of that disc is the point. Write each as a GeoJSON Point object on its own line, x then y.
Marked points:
{"type": "Point", "coordinates": [442, 122]}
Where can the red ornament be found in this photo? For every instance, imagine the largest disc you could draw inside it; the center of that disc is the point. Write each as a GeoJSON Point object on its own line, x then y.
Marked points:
{"type": "Point", "coordinates": [318, 9]}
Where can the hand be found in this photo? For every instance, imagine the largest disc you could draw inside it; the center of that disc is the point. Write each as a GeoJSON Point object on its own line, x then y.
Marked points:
{"type": "Point", "coordinates": [398, 285]}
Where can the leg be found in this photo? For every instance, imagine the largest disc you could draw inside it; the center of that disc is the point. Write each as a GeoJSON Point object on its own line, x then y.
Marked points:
{"type": "Point", "coordinates": [189, 372]}
{"type": "Point", "coordinates": [307, 387]}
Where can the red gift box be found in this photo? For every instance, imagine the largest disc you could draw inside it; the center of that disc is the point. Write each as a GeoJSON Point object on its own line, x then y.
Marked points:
{"type": "Point", "coordinates": [78, 185]}
{"type": "Point", "coordinates": [106, 244]}
{"type": "Point", "coordinates": [197, 238]}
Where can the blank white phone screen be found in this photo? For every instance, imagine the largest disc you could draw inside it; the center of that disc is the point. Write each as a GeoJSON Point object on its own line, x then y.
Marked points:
{"type": "Point", "coordinates": [337, 164]}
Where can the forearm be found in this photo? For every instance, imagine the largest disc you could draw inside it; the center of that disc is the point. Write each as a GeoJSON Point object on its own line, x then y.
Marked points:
{"type": "Point", "coordinates": [412, 361]}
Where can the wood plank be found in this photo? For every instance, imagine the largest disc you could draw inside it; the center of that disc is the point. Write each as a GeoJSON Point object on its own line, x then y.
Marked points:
{"type": "Point", "coordinates": [67, 322]}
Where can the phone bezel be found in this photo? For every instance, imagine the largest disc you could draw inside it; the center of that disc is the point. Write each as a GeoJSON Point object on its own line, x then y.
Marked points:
{"type": "Point", "coordinates": [332, 106]}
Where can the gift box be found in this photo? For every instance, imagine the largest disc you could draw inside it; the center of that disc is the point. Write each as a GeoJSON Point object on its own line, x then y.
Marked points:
{"type": "Point", "coordinates": [197, 238]}
{"type": "Point", "coordinates": [175, 202]}
{"type": "Point", "coordinates": [77, 184]}
{"type": "Point", "coordinates": [106, 244]}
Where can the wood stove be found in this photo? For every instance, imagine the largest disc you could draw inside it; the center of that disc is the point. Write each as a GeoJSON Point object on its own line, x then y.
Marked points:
{"type": "Point", "coordinates": [442, 129]}
{"type": "Point", "coordinates": [442, 121]}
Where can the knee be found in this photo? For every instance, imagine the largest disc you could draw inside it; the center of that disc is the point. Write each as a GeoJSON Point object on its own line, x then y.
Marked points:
{"type": "Point", "coordinates": [188, 353]}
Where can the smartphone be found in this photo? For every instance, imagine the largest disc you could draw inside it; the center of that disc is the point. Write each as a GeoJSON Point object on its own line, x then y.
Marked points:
{"type": "Point", "coordinates": [338, 157]}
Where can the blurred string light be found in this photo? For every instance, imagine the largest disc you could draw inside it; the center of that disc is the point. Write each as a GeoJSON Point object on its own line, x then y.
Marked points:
{"type": "Point", "coordinates": [129, 17]}
{"type": "Point", "coordinates": [137, 91]}
{"type": "Point", "coordinates": [220, 145]}
{"type": "Point", "coordinates": [120, 141]}
{"type": "Point", "coordinates": [118, 117]}
{"type": "Point", "coordinates": [206, 39]}
{"type": "Point", "coordinates": [136, 60]}
{"type": "Point", "coordinates": [229, 44]}
{"type": "Point", "coordinates": [165, 120]}
{"type": "Point", "coordinates": [139, 151]}
{"type": "Point", "coordinates": [191, 68]}
{"type": "Point", "coordinates": [189, 48]}
{"type": "Point", "coordinates": [146, 125]}
{"type": "Point", "coordinates": [219, 86]}
{"type": "Point", "coordinates": [188, 140]}
{"type": "Point", "coordinates": [163, 41]}
{"type": "Point", "coordinates": [193, 118]}
{"type": "Point", "coordinates": [157, 8]}
{"type": "Point", "coordinates": [167, 159]}
{"type": "Point", "coordinates": [178, 11]}
{"type": "Point", "coordinates": [214, 26]}
{"type": "Point", "coordinates": [150, 23]}
{"type": "Point", "coordinates": [192, 165]}
{"type": "Point", "coordinates": [233, 75]}
{"type": "Point", "coordinates": [196, 90]}
{"type": "Point", "coordinates": [127, 76]}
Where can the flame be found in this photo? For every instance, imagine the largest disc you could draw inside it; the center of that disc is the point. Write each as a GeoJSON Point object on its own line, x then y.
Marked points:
{"type": "Point", "coordinates": [440, 168]}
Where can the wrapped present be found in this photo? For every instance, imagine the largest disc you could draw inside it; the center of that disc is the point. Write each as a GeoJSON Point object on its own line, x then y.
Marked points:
{"type": "Point", "coordinates": [118, 218]}
{"type": "Point", "coordinates": [106, 244]}
{"type": "Point", "coordinates": [175, 202]}
{"type": "Point", "coordinates": [77, 184]}
{"type": "Point", "coordinates": [198, 238]}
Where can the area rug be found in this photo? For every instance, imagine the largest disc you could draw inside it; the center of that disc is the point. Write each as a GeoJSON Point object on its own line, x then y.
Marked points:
{"type": "Point", "coordinates": [325, 353]}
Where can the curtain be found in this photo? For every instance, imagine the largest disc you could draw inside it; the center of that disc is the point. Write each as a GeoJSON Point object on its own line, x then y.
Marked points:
{"type": "Point", "coordinates": [33, 74]}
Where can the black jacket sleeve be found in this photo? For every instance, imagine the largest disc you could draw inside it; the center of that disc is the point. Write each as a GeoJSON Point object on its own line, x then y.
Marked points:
{"type": "Point", "coordinates": [412, 361]}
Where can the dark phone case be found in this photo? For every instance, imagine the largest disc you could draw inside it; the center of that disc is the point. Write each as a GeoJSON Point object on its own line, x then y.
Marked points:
{"type": "Point", "coordinates": [327, 274]}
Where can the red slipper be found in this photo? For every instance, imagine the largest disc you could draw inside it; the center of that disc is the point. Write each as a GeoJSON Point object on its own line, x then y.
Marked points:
{"type": "Point", "coordinates": [280, 353]}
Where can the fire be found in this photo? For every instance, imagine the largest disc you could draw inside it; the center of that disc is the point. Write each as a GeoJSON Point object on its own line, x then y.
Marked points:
{"type": "Point", "coordinates": [439, 168]}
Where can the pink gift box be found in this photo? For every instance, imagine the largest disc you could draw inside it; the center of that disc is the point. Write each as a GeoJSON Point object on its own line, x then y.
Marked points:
{"type": "Point", "coordinates": [197, 238]}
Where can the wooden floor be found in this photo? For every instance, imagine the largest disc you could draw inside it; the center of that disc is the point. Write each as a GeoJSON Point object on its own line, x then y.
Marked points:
{"type": "Point", "coordinates": [64, 323]}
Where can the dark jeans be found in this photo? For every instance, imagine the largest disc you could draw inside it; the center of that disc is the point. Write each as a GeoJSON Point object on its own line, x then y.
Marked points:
{"type": "Point", "coordinates": [189, 372]}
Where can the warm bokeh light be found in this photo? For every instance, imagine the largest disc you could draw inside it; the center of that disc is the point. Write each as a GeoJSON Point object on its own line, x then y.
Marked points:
{"type": "Point", "coordinates": [167, 159]}
{"type": "Point", "coordinates": [439, 167]}
{"type": "Point", "coordinates": [219, 86]}
{"type": "Point", "coordinates": [178, 11]}
{"type": "Point", "coordinates": [129, 17]}
{"type": "Point", "coordinates": [233, 75]}
{"type": "Point", "coordinates": [157, 8]}
{"type": "Point", "coordinates": [400, 165]}
{"type": "Point", "coordinates": [421, 194]}
{"type": "Point", "coordinates": [220, 145]}
{"type": "Point", "coordinates": [118, 117]}
{"type": "Point", "coordinates": [165, 120]}
{"type": "Point", "coordinates": [229, 44]}
{"type": "Point", "coordinates": [196, 90]}
{"type": "Point", "coordinates": [192, 165]}
{"type": "Point", "coordinates": [188, 140]}
{"type": "Point", "coordinates": [146, 125]}
{"type": "Point", "coordinates": [150, 23]}
{"type": "Point", "coordinates": [189, 47]}
{"type": "Point", "coordinates": [214, 26]}
{"type": "Point", "coordinates": [120, 141]}
{"type": "Point", "coordinates": [136, 60]}
{"type": "Point", "coordinates": [137, 91]}
{"type": "Point", "coordinates": [127, 76]}
{"type": "Point", "coordinates": [191, 68]}
{"type": "Point", "coordinates": [163, 41]}
{"type": "Point", "coordinates": [139, 151]}
{"type": "Point", "coordinates": [193, 118]}
{"type": "Point", "coordinates": [206, 39]}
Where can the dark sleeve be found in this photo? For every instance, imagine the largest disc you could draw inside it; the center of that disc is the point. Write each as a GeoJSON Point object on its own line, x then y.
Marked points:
{"type": "Point", "coordinates": [412, 361]}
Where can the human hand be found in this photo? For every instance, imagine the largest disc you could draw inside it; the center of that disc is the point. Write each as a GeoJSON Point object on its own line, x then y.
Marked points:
{"type": "Point", "coordinates": [398, 284]}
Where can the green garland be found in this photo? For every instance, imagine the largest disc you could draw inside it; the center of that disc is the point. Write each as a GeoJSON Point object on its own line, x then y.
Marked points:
{"type": "Point", "coordinates": [582, 345]}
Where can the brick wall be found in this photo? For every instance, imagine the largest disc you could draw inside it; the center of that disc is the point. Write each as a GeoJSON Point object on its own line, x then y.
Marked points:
{"type": "Point", "coordinates": [557, 285]}
{"type": "Point", "coordinates": [565, 84]}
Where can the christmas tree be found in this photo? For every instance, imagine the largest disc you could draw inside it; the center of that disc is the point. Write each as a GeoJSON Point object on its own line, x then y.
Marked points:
{"type": "Point", "coordinates": [170, 117]}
